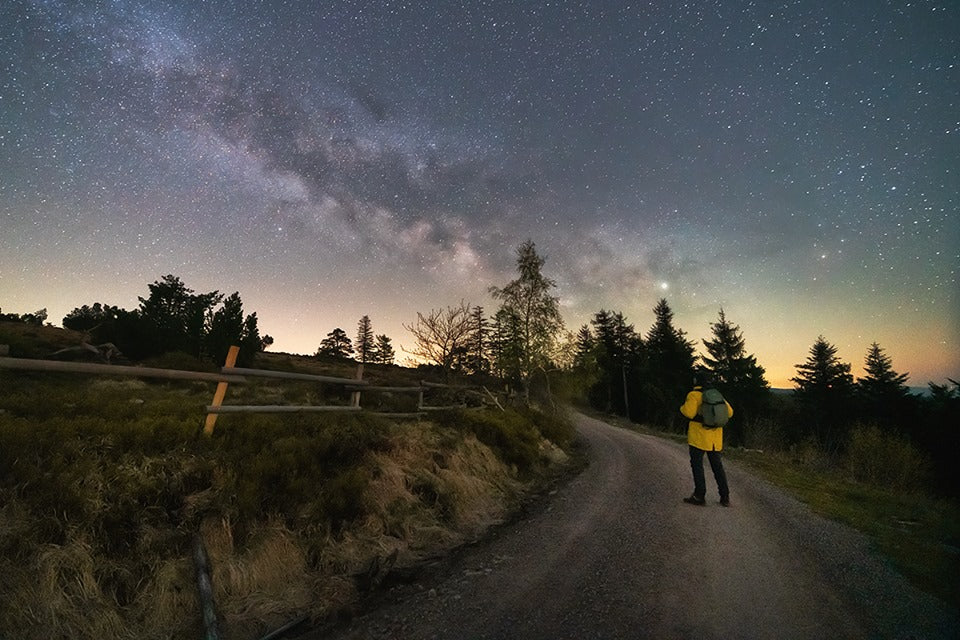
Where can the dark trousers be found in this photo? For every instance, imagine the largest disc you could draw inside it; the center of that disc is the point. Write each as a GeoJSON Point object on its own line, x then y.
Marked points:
{"type": "Point", "coordinates": [699, 481]}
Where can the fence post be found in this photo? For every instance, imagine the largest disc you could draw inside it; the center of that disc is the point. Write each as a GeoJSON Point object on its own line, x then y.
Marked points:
{"type": "Point", "coordinates": [221, 391]}
{"type": "Point", "coordinates": [420, 397]}
{"type": "Point", "coordinates": [355, 396]}
{"type": "Point", "coordinates": [201, 564]}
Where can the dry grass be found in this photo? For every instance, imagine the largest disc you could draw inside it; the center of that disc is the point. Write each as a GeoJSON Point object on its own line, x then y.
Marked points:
{"type": "Point", "coordinates": [432, 488]}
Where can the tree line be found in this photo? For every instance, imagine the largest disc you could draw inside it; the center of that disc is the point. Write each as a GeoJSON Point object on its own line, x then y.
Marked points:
{"type": "Point", "coordinates": [644, 377]}
{"type": "Point", "coordinates": [368, 347]}
{"type": "Point", "coordinates": [174, 318]}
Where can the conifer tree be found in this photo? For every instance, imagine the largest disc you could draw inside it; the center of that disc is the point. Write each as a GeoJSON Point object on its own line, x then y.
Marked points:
{"type": "Point", "coordinates": [384, 350]}
{"type": "Point", "coordinates": [737, 374]}
{"type": "Point", "coordinates": [336, 345]}
{"type": "Point", "coordinates": [365, 345]}
{"type": "Point", "coordinates": [825, 393]}
{"type": "Point", "coordinates": [478, 344]}
{"type": "Point", "coordinates": [670, 359]}
{"type": "Point", "coordinates": [883, 394]}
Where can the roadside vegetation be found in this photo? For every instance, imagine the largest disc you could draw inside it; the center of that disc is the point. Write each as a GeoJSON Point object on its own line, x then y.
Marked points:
{"type": "Point", "coordinates": [104, 482]}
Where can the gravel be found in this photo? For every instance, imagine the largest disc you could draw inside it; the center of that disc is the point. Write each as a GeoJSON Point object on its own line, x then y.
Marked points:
{"type": "Point", "coordinates": [614, 553]}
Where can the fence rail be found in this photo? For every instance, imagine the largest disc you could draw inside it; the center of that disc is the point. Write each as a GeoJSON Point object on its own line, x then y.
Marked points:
{"type": "Point", "coordinates": [230, 374]}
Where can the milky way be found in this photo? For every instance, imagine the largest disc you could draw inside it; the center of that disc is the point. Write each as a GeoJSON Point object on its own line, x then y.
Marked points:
{"type": "Point", "coordinates": [792, 162]}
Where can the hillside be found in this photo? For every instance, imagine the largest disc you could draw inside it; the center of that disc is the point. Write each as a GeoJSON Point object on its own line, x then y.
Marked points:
{"type": "Point", "coordinates": [105, 482]}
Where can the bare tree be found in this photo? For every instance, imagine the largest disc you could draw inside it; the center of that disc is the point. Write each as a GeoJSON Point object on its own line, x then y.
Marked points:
{"type": "Point", "coordinates": [441, 335]}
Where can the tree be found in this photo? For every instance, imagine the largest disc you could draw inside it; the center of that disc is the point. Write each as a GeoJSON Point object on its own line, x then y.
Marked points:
{"type": "Point", "coordinates": [883, 395]}
{"type": "Point", "coordinates": [824, 392]}
{"type": "Point", "coordinates": [617, 351]}
{"type": "Point", "coordinates": [365, 345]}
{"type": "Point", "coordinates": [175, 317]}
{"type": "Point", "coordinates": [384, 350]}
{"type": "Point", "coordinates": [225, 328]}
{"type": "Point", "coordinates": [529, 302]}
{"type": "Point", "coordinates": [441, 335]}
{"type": "Point", "coordinates": [669, 366]}
{"type": "Point", "coordinates": [36, 318]}
{"type": "Point", "coordinates": [250, 341]}
{"type": "Point", "coordinates": [89, 319]}
{"type": "Point", "coordinates": [737, 373]}
{"type": "Point", "coordinates": [477, 346]}
{"type": "Point", "coordinates": [336, 345]}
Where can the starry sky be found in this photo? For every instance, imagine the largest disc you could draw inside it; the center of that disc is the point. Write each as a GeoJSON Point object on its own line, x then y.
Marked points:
{"type": "Point", "coordinates": [795, 163]}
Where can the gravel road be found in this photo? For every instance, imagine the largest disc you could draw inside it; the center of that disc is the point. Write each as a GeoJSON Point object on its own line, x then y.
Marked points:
{"type": "Point", "coordinates": [614, 553]}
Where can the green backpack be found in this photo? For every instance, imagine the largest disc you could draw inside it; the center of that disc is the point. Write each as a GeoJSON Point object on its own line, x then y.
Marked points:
{"type": "Point", "coordinates": [714, 409]}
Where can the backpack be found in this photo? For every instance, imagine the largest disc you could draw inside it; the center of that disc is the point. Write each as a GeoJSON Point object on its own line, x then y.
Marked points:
{"type": "Point", "coordinates": [714, 409]}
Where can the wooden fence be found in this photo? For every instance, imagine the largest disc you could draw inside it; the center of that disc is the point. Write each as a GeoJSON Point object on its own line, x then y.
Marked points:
{"type": "Point", "coordinates": [230, 374]}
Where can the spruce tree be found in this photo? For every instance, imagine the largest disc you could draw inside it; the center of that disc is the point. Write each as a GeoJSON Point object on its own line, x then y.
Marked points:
{"type": "Point", "coordinates": [737, 374]}
{"type": "Point", "coordinates": [365, 345]}
{"type": "Point", "coordinates": [669, 369]}
{"type": "Point", "coordinates": [384, 350]}
{"type": "Point", "coordinates": [824, 392]}
{"type": "Point", "coordinates": [882, 392]}
{"type": "Point", "coordinates": [478, 344]}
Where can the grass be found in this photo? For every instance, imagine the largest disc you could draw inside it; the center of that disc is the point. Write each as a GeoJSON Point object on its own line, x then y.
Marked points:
{"type": "Point", "coordinates": [104, 483]}
{"type": "Point", "coordinates": [918, 533]}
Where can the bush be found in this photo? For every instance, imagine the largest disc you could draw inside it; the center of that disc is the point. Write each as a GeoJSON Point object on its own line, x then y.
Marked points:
{"type": "Point", "coordinates": [884, 459]}
{"type": "Point", "coordinates": [512, 434]}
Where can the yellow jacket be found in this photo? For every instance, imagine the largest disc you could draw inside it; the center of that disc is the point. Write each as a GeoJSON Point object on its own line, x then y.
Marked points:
{"type": "Point", "coordinates": [697, 435]}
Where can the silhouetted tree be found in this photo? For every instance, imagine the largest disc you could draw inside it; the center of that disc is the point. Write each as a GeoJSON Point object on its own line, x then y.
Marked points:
{"type": "Point", "coordinates": [336, 345]}
{"type": "Point", "coordinates": [37, 317]}
{"type": "Point", "coordinates": [669, 367]}
{"type": "Point", "coordinates": [441, 336]}
{"type": "Point", "coordinates": [737, 374]}
{"type": "Point", "coordinates": [824, 393]}
{"type": "Point", "coordinates": [617, 352]}
{"type": "Point", "coordinates": [536, 312]}
{"type": "Point", "coordinates": [882, 392]}
{"type": "Point", "coordinates": [365, 344]}
{"type": "Point", "coordinates": [477, 346]}
{"type": "Point", "coordinates": [225, 328]}
{"type": "Point", "coordinates": [384, 350]}
{"type": "Point", "coordinates": [175, 317]}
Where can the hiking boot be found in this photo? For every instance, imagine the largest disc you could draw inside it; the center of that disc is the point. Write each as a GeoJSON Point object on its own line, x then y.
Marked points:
{"type": "Point", "coordinates": [700, 502]}
{"type": "Point", "coordinates": [724, 502]}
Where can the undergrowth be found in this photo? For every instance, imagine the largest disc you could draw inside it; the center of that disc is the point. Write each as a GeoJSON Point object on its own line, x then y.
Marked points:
{"type": "Point", "coordinates": [105, 482]}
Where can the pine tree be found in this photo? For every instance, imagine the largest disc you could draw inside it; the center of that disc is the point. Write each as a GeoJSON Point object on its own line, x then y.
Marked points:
{"type": "Point", "coordinates": [365, 344]}
{"type": "Point", "coordinates": [737, 374]}
{"type": "Point", "coordinates": [670, 359]}
{"type": "Point", "coordinates": [225, 328]}
{"type": "Point", "coordinates": [883, 394]}
{"type": "Point", "coordinates": [585, 357]}
{"type": "Point", "coordinates": [336, 345]}
{"type": "Point", "coordinates": [384, 350]}
{"type": "Point", "coordinates": [478, 345]}
{"type": "Point", "coordinates": [825, 393]}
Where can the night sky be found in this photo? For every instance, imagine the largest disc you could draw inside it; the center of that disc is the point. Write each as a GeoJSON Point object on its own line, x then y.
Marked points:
{"type": "Point", "coordinates": [795, 163]}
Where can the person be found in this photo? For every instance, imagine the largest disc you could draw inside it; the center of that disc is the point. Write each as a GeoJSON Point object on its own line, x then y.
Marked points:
{"type": "Point", "coordinates": [704, 440]}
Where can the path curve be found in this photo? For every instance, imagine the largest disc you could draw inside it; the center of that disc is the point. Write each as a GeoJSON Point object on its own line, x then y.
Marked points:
{"type": "Point", "coordinates": [614, 553]}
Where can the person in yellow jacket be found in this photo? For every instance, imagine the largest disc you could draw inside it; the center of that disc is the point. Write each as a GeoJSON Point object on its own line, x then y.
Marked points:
{"type": "Point", "coordinates": [704, 440]}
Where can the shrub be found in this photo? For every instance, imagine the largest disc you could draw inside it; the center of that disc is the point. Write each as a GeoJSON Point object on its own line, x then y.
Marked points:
{"type": "Point", "coordinates": [885, 459]}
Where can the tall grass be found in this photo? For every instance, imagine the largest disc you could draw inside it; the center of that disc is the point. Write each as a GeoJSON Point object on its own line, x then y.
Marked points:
{"type": "Point", "coordinates": [104, 483]}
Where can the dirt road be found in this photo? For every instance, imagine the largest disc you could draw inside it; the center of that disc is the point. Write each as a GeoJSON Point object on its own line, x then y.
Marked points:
{"type": "Point", "coordinates": [614, 553]}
